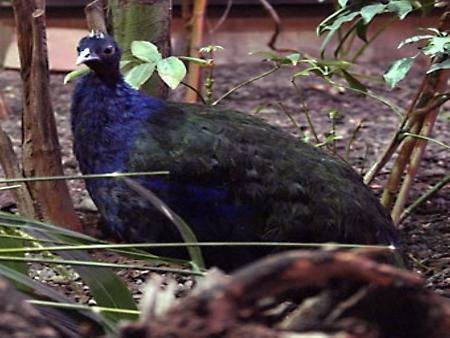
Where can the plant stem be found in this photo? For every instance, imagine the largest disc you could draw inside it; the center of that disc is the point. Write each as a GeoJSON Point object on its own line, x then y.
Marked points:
{"type": "Point", "coordinates": [352, 138]}
{"type": "Point", "coordinates": [433, 190]}
{"type": "Point", "coordinates": [304, 108]}
{"type": "Point", "coordinates": [242, 84]}
{"type": "Point", "coordinates": [374, 36]}
{"type": "Point", "coordinates": [291, 118]}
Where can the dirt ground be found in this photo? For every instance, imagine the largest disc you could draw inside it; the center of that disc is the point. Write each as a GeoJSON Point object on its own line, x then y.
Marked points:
{"type": "Point", "coordinates": [425, 234]}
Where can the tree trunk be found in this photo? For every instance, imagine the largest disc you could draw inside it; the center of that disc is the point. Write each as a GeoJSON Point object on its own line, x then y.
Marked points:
{"type": "Point", "coordinates": [149, 20]}
{"type": "Point", "coordinates": [41, 151]}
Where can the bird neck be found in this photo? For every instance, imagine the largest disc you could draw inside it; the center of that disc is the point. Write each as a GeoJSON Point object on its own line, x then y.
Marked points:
{"type": "Point", "coordinates": [108, 74]}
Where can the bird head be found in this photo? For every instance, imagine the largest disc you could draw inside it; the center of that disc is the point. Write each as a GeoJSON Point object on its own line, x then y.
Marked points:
{"type": "Point", "coordinates": [100, 52]}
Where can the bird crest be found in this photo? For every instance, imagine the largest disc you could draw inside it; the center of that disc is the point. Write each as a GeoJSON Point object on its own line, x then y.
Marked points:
{"type": "Point", "coordinates": [96, 34]}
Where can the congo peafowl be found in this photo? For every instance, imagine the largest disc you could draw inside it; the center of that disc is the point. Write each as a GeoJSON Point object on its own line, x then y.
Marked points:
{"type": "Point", "coordinates": [233, 177]}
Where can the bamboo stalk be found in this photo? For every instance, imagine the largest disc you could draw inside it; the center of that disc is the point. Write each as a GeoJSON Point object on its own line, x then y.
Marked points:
{"type": "Point", "coordinates": [197, 32]}
{"type": "Point", "coordinates": [395, 176]}
{"type": "Point", "coordinates": [413, 149]}
{"type": "Point", "coordinates": [417, 153]}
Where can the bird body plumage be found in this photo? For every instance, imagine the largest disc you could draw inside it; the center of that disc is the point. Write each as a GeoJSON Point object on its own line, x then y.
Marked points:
{"type": "Point", "coordinates": [233, 177]}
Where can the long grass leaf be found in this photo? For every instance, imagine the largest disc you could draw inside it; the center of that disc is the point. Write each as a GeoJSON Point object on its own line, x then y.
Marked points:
{"type": "Point", "coordinates": [185, 231]}
{"type": "Point", "coordinates": [106, 287]}
{"type": "Point", "coordinates": [44, 290]}
{"type": "Point", "coordinates": [81, 177]}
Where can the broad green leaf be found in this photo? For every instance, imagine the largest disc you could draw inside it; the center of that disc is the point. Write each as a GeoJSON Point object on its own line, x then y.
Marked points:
{"type": "Point", "coordinates": [369, 12]}
{"type": "Point", "coordinates": [76, 73]}
{"type": "Point", "coordinates": [414, 39]}
{"type": "Point", "coordinates": [437, 45]}
{"type": "Point", "coordinates": [145, 51]}
{"type": "Point", "coordinates": [398, 70]}
{"type": "Point", "coordinates": [354, 82]}
{"type": "Point", "coordinates": [401, 7]}
{"type": "Point", "coordinates": [139, 74]}
{"type": "Point", "coordinates": [437, 66]}
{"type": "Point", "coordinates": [172, 71]}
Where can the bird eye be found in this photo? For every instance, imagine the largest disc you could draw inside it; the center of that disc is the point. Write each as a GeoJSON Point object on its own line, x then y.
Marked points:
{"type": "Point", "coordinates": [78, 49]}
{"type": "Point", "coordinates": [108, 50]}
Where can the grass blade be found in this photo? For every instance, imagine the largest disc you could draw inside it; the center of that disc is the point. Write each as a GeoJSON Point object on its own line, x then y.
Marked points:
{"type": "Point", "coordinates": [185, 231]}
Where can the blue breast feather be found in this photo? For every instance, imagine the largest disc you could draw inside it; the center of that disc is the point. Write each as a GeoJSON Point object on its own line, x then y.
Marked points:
{"type": "Point", "coordinates": [105, 132]}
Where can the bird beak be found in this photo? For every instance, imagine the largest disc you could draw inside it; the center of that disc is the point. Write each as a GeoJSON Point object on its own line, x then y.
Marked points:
{"type": "Point", "coordinates": [86, 55]}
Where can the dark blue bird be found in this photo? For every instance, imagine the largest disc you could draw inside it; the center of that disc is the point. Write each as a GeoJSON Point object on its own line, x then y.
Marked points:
{"type": "Point", "coordinates": [233, 177]}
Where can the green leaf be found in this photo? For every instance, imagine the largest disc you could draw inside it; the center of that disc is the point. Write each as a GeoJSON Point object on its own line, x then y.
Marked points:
{"type": "Point", "coordinates": [323, 26]}
{"type": "Point", "coordinates": [369, 12]}
{"type": "Point", "coordinates": [401, 7]}
{"type": "Point", "coordinates": [354, 82]}
{"type": "Point", "coordinates": [210, 49]}
{"type": "Point", "coordinates": [172, 71]}
{"type": "Point", "coordinates": [398, 70]}
{"type": "Point", "coordinates": [333, 28]}
{"type": "Point", "coordinates": [145, 51]}
{"type": "Point", "coordinates": [293, 58]}
{"type": "Point", "coordinates": [106, 287]}
{"type": "Point", "coordinates": [76, 73]}
{"type": "Point", "coordinates": [198, 61]}
{"type": "Point", "coordinates": [306, 72]}
{"type": "Point", "coordinates": [437, 45]}
{"type": "Point", "coordinates": [342, 3]}
{"type": "Point", "coordinates": [139, 74]}
{"type": "Point", "coordinates": [414, 39]}
{"type": "Point", "coordinates": [438, 66]}
{"type": "Point", "coordinates": [5, 243]}
{"type": "Point", "coordinates": [341, 20]}
{"type": "Point", "coordinates": [361, 30]}
{"type": "Point", "coordinates": [43, 290]}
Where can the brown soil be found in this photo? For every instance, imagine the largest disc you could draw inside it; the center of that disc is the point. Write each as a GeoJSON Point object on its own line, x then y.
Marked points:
{"type": "Point", "coordinates": [425, 234]}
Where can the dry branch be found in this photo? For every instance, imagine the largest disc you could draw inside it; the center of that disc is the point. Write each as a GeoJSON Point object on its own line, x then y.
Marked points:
{"type": "Point", "coordinates": [95, 16]}
{"type": "Point", "coordinates": [372, 301]}
{"type": "Point", "coordinates": [4, 112]}
{"type": "Point", "coordinates": [10, 165]}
